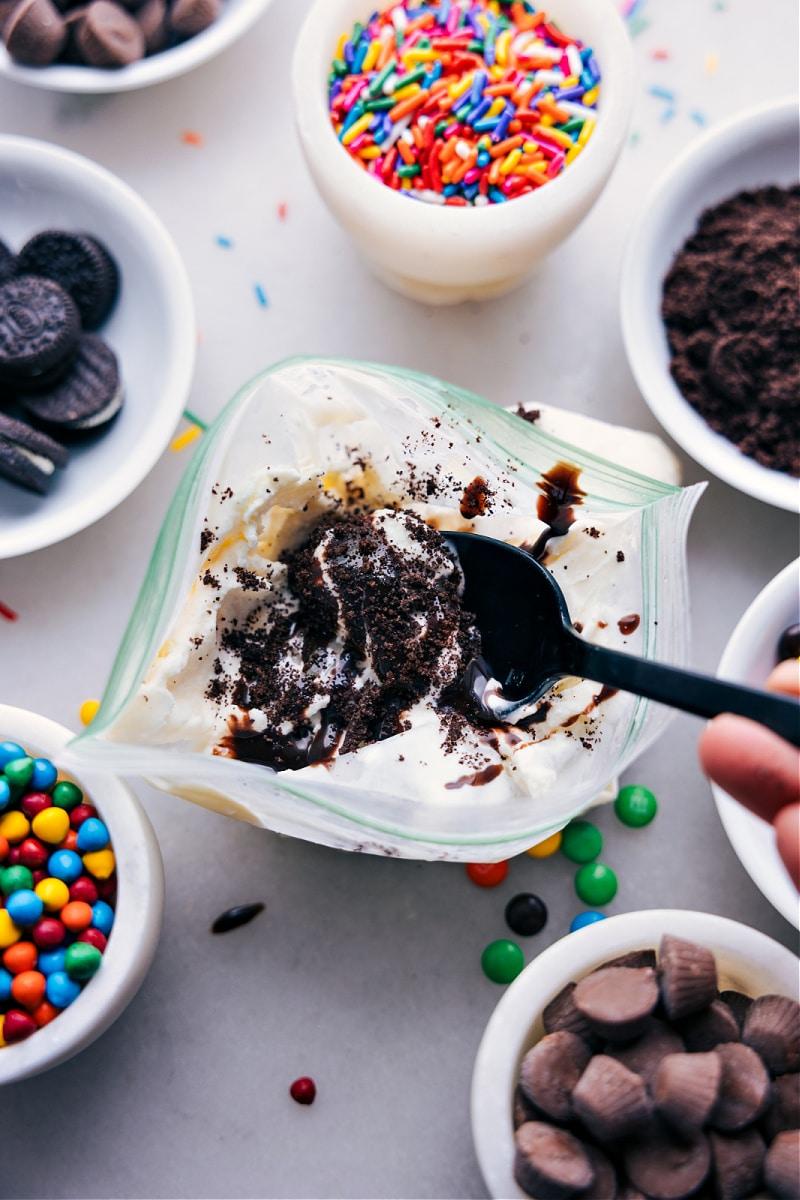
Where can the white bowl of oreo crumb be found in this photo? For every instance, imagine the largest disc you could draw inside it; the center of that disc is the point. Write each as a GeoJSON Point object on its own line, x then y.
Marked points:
{"type": "Point", "coordinates": [116, 45]}
{"type": "Point", "coordinates": [97, 343]}
{"type": "Point", "coordinates": [650, 1056]}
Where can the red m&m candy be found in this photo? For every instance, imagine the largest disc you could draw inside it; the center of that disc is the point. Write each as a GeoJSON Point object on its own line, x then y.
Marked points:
{"type": "Point", "coordinates": [18, 1025]}
{"type": "Point", "coordinates": [487, 874]}
{"type": "Point", "coordinates": [48, 933]}
{"type": "Point", "coordinates": [84, 889]}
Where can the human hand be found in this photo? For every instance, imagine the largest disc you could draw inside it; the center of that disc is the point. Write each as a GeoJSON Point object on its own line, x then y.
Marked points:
{"type": "Point", "coordinates": [759, 769]}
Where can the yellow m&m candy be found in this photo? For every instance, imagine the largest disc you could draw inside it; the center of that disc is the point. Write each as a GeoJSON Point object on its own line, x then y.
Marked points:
{"type": "Point", "coordinates": [9, 933]}
{"type": "Point", "coordinates": [51, 825]}
{"type": "Point", "coordinates": [14, 826]}
{"type": "Point", "coordinates": [547, 847]}
{"type": "Point", "coordinates": [100, 863]}
{"type": "Point", "coordinates": [53, 893]}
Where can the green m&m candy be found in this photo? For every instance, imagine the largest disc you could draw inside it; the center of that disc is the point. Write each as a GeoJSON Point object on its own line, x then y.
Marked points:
{"type": "Point", "coordinates": [81, 961]}
{"type": "Point", "coordinates": [596, 883]}
{"type": "Point", "coordinates": [15, 879]}
{"type": "Point", "coordinates": [19, 771]}
{"type": "Point", "coordinates": [66, 794]}
{"type": "Point", "coordinates": [635, 805]}
{"type": "Point", "coordinates": [502, 961]}
{"type": "Point", "coordinates": [581, 841]}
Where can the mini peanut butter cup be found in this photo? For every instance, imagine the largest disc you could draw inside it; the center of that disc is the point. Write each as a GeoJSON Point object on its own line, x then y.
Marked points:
{"type": "Point", "coordinates": [617, 1001]}
{"type": "Point", "coordinates": [561, 1013]}
{"type": "Point", "coordinates": [523, 1109]}
{"type": "Point", "coordinates": [688, 976]}
{"type": "Point", "coordinates": [549, 1071]}
{"type": "Point", "coordinates": [611, 1101]}
{"type": "Point", "coordinates": [108, 36]}
{"type": "Point", "coordinates": [154, 23]}
{"type": "Point", "coordinates": [784, 1106]}
{"type": "Point", "coordinates": [708, 1028]}
{"type": "Point", "coordinates": [772, 1027]}
{"type": "Point", "coordinates": [665, 1166]}
{"type": "Point", "coordinates": [738, 1003]}
{"type": "Point", "coordinates": [632, 958]}
{"type": "Point", "coordinates": [744, 1088]}
{"type": "Point", "coordinates": [605, 1186]}
{"type": "Point", "coordinates": [738, 1163]}
{"type": "Point", "coordinates": [190, 17]}
{"type": "Point", "coordinates": [551, 1164]}
{"type": "Point", "coordinates": [782, 1166]}
{"type": "Point", "coordinates": [686, 1088]}
{"type": "Point", "coordinates": [34, 33]}
{"type": "Point", "coordinates": [629, 1192]}
{"type": "Point", "coordinates": [643, 1055]}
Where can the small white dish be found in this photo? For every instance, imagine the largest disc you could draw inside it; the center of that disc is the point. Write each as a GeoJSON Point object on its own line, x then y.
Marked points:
{"type": "Point", "coordinates": [139, 909]}
{"type": "Point", "coordinates": [448, 255]}
{"type": "Point", "coordinates": [236, 18]}
{"type": "Point", "coordinates": [748, 658]}
{"type": "Point", "coordinates": [152, 330]}
{"type": "Point", "coordinates": [757, 148]}
{"type": "Point", "coordinates": [747, 960]}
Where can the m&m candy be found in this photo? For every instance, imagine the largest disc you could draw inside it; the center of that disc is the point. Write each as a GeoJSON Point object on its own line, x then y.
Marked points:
{"type": "Point", "coordinates": [581, 841]}
{"type": "Point", "coordinates": [582, 919]}
{"type": "Point", "coordinates": [57, 890]}
{"type": "Point", "coordinates": [487, 874]}
{"type": "Point", "coordinates": [596, 883]}
{"type": "Point", "coordinates": [635, 805]}
{"type": "Point", "coordinates": [502, 961]}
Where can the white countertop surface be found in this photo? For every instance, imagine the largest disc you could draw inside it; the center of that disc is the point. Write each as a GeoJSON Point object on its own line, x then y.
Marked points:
{"type": "Point", "coordinates": [362, 972]}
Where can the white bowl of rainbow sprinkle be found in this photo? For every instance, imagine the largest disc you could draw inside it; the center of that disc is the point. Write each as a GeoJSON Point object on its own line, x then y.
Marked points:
{"type": "Point", "coordinates": [460, 141]}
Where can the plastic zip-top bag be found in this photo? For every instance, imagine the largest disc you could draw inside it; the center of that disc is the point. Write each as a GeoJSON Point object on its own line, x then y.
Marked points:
{"type": "Point", "coordinates": [271, 667]}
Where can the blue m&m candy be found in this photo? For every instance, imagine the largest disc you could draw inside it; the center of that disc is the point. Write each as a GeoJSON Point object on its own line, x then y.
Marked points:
{"type": "Point", "coordinates": [586, 918]}
{"type": "Point", "coordinates": [102, 917]}
{"type": "Point", "coordinates": [24, 907]}
{"type": "Point", "coordinates": [9, 751]}
{"type": "Point", "coordinates": [92, 835]}
{"type": "Point", "coordinates": [6, 979]}
{"type": "Point", "coordinates": [5, 794]}
{"type": "Point", "coordinates": [65, 864]}
{"type": "Point", "coordinates": [44, 775]}
{"type": "Point", "coordinates": [61, 990]}
{"type": "Point", "coordinates": [51, 961]}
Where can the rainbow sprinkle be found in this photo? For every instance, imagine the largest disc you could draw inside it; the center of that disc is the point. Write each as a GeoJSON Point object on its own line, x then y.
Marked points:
{"type": "Point", "coordinates": [463, 102]}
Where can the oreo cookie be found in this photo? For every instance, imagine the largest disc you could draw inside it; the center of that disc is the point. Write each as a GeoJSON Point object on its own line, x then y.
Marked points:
{"type": "Point", "coordinates": [39, 330]}
{"type": "Point", "coordinates": [80, 264]}
{"type": "Point", "coordinates": [28, 457]}
{"type": "Point", "coordinates": [89, 395]}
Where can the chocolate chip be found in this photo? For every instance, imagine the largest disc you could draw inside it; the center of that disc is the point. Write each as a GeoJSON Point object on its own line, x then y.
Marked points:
{"type": "Point", "coordinates": [772, 1027]}
{"type": "Point", "coordinates": [666, 1167]}
{"type": "Point", "coordinates": [550, 1070]}
{"type": "Point", "coordinates": [744, 1089]}
{"type": "Point", "coordinates": [109, 36]}
{"type": "Point", "coordinates": [738, 1003]}
{"type": "Point", "coordinates": [550, 1164]}
{"type": "Point", "coordinates": [611, 1101]}
{"type": "Point", "coordinates": [706, 1029]}
{"type": "Point", "coordinates": [738, 1163]}
{"type": "Point", "coordinates": [561, 1013]}
{"type": "Point", "coordinates": [34, 33]}
{"type": "Point", "coordinates": [617, 1001]}
{"type": "Point", "coordinates": [784, 1106]}
{"type": "Point", "coordinates": [686, 1088]}
{"type": "Point", "coordinates": [643, 1055]}
{"type": "Point", "coordinates": [688, 976]}
{"type": "Point", "coordinates": [190, 17]}
{"type": "Point", "coordinates": [782, 1166]}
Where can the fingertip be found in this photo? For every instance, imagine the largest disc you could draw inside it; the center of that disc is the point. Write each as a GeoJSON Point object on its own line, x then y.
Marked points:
{"type": "Point", "coordinates": [787, 836]}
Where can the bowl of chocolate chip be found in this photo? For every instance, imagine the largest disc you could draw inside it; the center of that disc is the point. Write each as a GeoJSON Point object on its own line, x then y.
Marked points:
{"type": "Point", "coordinates": [650, 1056]}
{"type": "Point", "coordinates": [115, 45]}
{"type": "Point", "coordinates": [710, 306]}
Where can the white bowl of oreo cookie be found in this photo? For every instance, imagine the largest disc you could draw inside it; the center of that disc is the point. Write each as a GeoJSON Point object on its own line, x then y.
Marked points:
{"type": "Point", "coordinates": [97, 343]}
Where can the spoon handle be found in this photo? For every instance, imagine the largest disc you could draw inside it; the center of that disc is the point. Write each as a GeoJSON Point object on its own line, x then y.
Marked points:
{"type": "Point", "coordinates": [702, 695]}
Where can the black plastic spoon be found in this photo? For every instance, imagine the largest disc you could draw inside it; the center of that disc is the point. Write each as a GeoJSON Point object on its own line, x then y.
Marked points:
{"type": "Point", "coordinates": [528, 642]}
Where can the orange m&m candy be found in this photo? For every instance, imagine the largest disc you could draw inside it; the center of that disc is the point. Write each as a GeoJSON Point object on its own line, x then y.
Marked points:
{"type": "Point", "coordinates": [22, 956]}
{"type": "Point", "coordinates": [77, 915]}
{"type": "Point", "coordinates": [28, 989]}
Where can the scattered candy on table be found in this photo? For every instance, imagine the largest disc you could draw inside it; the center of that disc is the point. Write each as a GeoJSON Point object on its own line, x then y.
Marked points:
{"type": "Point", "coordinates": [487, 874]}
{"type": "Point", "coordinates": [232, 918]}
{"type": "Point", "coordinates": [462, 102]}
{"type": "Point", "coordinates": [303, 1090]}
{"type": "Point", "coordinates": [582, 919]}
{"type": "Point", "coordinates": [581, 841]}
{"type": "Point", "coordinates": [550, 845]}
{"type": "Point", "coordinates": [635, 805]}
{"type": "Point", "coordinates": [596, 883]}
{"type": "Point", "coordinates": [526, 914]}
{"type": "Point", "coordinates": [57, 891]}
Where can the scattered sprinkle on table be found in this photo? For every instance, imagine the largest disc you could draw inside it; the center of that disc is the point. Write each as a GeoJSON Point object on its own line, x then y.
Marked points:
{"type": "Point", "coordinates": [261, 295]}
{"type": "Point", "coordinates": [283, 210]}
{"type": "Point", "coordinates": [463, 102]}
{"type": "Point", "coordinates": [7, 613]}
{"type": "Point", "coordinates": [190, 137]}
{"type": "Point", "coordinates": [58, 885]}
{"type": "Point", "coordinates": [225, 243]}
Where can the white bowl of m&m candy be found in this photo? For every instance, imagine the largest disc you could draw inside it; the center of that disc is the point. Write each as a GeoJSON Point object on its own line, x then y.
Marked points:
{"type": "Point", "coordinates": [460, 141]}
{"type": "Point", "coordinates": [81, 898]}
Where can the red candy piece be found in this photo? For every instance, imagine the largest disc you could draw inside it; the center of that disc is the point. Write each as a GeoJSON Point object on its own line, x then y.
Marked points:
{"type": "Point", "coordinates": [303, 1090]}
{"type": "Point", "coordinates": [94, 938]}
{"type": "Point", "coordinates": [38, 875]}
{"type": "Point", "coordinates": [487, 874]}
{"type": "Point", "coordinates": [32, 853]}
{"type": "Point", "coordinates": [13, 857]}
{"type": "Point", "coordinates": [3, 847]}
{"type": "Point", "coordinates": [35, 802]}
{"type": "Point", "coordinates": [107, 888]}
{"type": "Point", "coordinates": [45, 1013]}
{"type": "Point", "coordinates": [84, 889]}
{"type": "Point", "coordinates": [48, 933]}
{"type": "Point", "coordinates": [70, 842]}
{"type": "Point", "coordinates": [18, 1025]}
{"type": "Point", "coordinates": [79, 814]}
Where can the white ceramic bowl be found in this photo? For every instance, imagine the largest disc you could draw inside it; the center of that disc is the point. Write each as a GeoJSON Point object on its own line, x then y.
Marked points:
{"type": "Point", "coordinates": [748, 658]}
{"type": "Point", "coordinates": [746, 960]}
{"type": "Point", "coordinates": [236, 19]}
{"type": "Point", "coordinates": [756, 148]}
{"type": "Point", "coordinates": [152, 329]}
{"type": "Point", "coordinates": [139, 909]}
{"type": "Point", "coordinates": [447, 255]}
